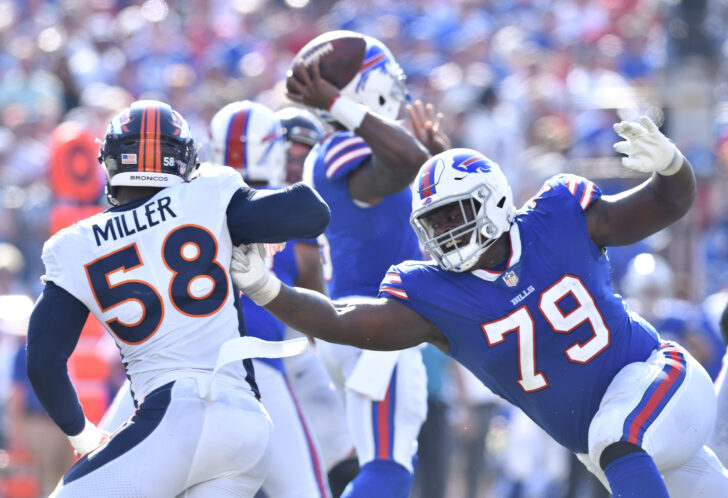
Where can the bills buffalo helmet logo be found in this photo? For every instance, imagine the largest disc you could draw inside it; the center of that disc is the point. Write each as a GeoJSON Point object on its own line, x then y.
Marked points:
{"type": "Point", "coordinates": [471, 164]}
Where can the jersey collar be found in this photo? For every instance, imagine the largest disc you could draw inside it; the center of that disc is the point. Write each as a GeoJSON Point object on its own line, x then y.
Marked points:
{"type": "Point", "coordinates": [515, 257]}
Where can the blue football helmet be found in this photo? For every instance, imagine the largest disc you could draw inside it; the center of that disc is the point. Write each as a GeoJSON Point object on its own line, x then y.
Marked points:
{"type": "Point", "coordinates": [148, 144]}
{"type": "Point", "coordinates": [300, 125]}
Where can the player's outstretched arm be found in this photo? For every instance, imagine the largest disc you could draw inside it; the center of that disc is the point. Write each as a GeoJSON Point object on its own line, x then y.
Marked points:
{"type": "Point", "coordinates": [630, 216]}
{"type": "Point", "coordinates": [369, 323]}
{"type": "Point", "coordinates": [381, 324]}
{"type": "Point", "coordinates": [396, 154]}
{"type": "Point", "coordinates": [296, 212]}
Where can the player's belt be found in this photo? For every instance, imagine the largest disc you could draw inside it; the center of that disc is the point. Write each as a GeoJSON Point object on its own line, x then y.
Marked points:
{"type": "Point", "coordinates": [243, 348]}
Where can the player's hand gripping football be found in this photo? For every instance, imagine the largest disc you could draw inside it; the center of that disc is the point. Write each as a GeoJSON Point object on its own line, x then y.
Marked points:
{"type": "Point", "coordinates": [305, 85]}
{"type": "Point", "coordinates": [646, 148]}
{"type": "Point", "coordinates": [90, 438]}
{"type": "Point", "coordinates": [251, 275]}
{"type": "Point", "coordinates": [427, 127]}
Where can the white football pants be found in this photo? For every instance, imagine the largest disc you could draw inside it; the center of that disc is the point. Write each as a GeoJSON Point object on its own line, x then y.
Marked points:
{"type": "Point", "coordinates": [322, 404]}
{"type": "Point", "coordinates": [297, 470]}
{"type": "Point", "coordinates": [385, 428]}
{"type": "Point", "coordinates": [179, 444]}
{"type": "Point", "coordinates": [666, 405]}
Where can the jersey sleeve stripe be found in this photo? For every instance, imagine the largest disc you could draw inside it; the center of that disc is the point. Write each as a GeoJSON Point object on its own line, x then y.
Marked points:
{"type": "Point", "coordinates": [392, 278]}
{"type": "Point", "coordinates": [349, 156]}
{"type": "Point", "coordinates": [588, 195]}
{"type": "Point", "coordinates": [341, 146]}
{"type": "Point", "coordinates": [572, 185]}
{"type": "Point", "coordinates": [400, 293]}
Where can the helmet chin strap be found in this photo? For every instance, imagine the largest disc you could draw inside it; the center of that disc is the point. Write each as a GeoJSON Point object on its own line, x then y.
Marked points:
{"type": "Point", "coordinates": [111, 194]}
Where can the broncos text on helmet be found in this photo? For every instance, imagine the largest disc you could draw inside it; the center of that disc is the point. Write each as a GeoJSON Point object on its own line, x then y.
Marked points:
{"type": "Point", "coordinates": [248, 136]}
{"type": "Point", "coordinates": [148, 144]}
{"type": "Point", "coordinates": [468, 179]}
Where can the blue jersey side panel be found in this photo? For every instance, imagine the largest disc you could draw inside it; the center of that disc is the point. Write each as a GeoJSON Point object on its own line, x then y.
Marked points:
{"type": "Point", "coordinates": [258, 321]}
{"type": "Point", "coordinates": [364, 241]}
{"type": "Point", "coordinates": [554, 248]}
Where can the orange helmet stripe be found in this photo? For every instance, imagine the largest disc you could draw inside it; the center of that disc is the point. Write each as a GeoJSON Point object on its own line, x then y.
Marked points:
{"type": "Point", "coordinates": [142, 133]}
{"type": "Point", "coordinates": [150, 138]}
{"type": "Point", "coordinates": [157, 144]}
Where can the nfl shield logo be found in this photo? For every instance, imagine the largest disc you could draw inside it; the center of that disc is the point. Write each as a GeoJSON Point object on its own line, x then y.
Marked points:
{"type": "Point", "coordinates": [510, 278]}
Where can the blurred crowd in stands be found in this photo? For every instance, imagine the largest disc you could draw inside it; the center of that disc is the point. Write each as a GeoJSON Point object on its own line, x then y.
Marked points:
{"type": "Point", "coordinates": [533, 84]}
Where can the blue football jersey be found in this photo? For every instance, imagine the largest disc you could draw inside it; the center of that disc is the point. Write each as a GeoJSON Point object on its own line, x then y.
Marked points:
{"type": "Point", "coordinates": [547, 333]}
{"type": "Point", "coordinates": [260, 323]}
{"type": "Point", "coordinates": [361, 242]}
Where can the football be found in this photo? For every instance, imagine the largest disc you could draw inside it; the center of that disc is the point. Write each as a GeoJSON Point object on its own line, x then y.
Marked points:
{"type": "Point", "coordinates": [340, 55]}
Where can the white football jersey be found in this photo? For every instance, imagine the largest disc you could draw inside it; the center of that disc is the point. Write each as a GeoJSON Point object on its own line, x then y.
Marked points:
{"type": "Point", "coordinates": [157, 277]}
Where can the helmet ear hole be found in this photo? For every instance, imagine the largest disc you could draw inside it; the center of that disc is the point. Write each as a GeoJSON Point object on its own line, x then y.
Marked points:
{"type": "Point", "coordinates": [382, 101]}
{"type": "Point", "coordinates": [501, 202]}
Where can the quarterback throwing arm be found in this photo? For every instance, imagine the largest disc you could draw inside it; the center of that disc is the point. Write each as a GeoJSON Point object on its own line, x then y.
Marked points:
{"type": "Point", "coordinates": [392, 155]}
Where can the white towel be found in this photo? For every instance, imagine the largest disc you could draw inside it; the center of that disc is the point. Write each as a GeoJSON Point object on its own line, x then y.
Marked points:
{"type": "Point", "coordinates": [372, 373]}
{"type": "Point", "coordinates": [242, 348]}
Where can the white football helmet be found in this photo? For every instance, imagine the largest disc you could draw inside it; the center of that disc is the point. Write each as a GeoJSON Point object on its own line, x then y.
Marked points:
{"type": "Point", "coordinates": [648, 276]}
{"type": "Point", "coordinates": [379, 84]}
{"type": "Point", "coordinates": [475, 183]}
{"type": "Point", "coordinates": [248, 136]}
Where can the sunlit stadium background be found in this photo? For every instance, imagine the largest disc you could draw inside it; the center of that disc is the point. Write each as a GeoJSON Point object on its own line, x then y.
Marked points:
{"type": "Point", "coordinates": [534, 84]}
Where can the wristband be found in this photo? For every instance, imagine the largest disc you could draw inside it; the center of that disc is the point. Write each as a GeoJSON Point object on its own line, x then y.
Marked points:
{"type": "Point", "coordinates": [265, 290]}
{"type": "Point", "coordinates": [86, 440]}
{"type": "Point", "coordinates": [674, 166]}
{"type": "Point", "coordinates": [347, 112]}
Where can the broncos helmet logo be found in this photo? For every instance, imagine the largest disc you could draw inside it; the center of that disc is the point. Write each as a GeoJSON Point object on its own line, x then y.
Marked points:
{"type": "Point", "coordinates": [125, 118]}
{"type": "Point", "coordinates": [471, 164]}
{"type": "Point", "coordinates": [176, 121]}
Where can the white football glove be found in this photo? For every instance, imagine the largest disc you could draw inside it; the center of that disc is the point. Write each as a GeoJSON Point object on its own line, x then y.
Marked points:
{"type": "Point", "coordinates": [251, 275]}
{"type": "Point", "coordinates": [647, 149]}
{"type": "Point", "coordinates": [90, 438]}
